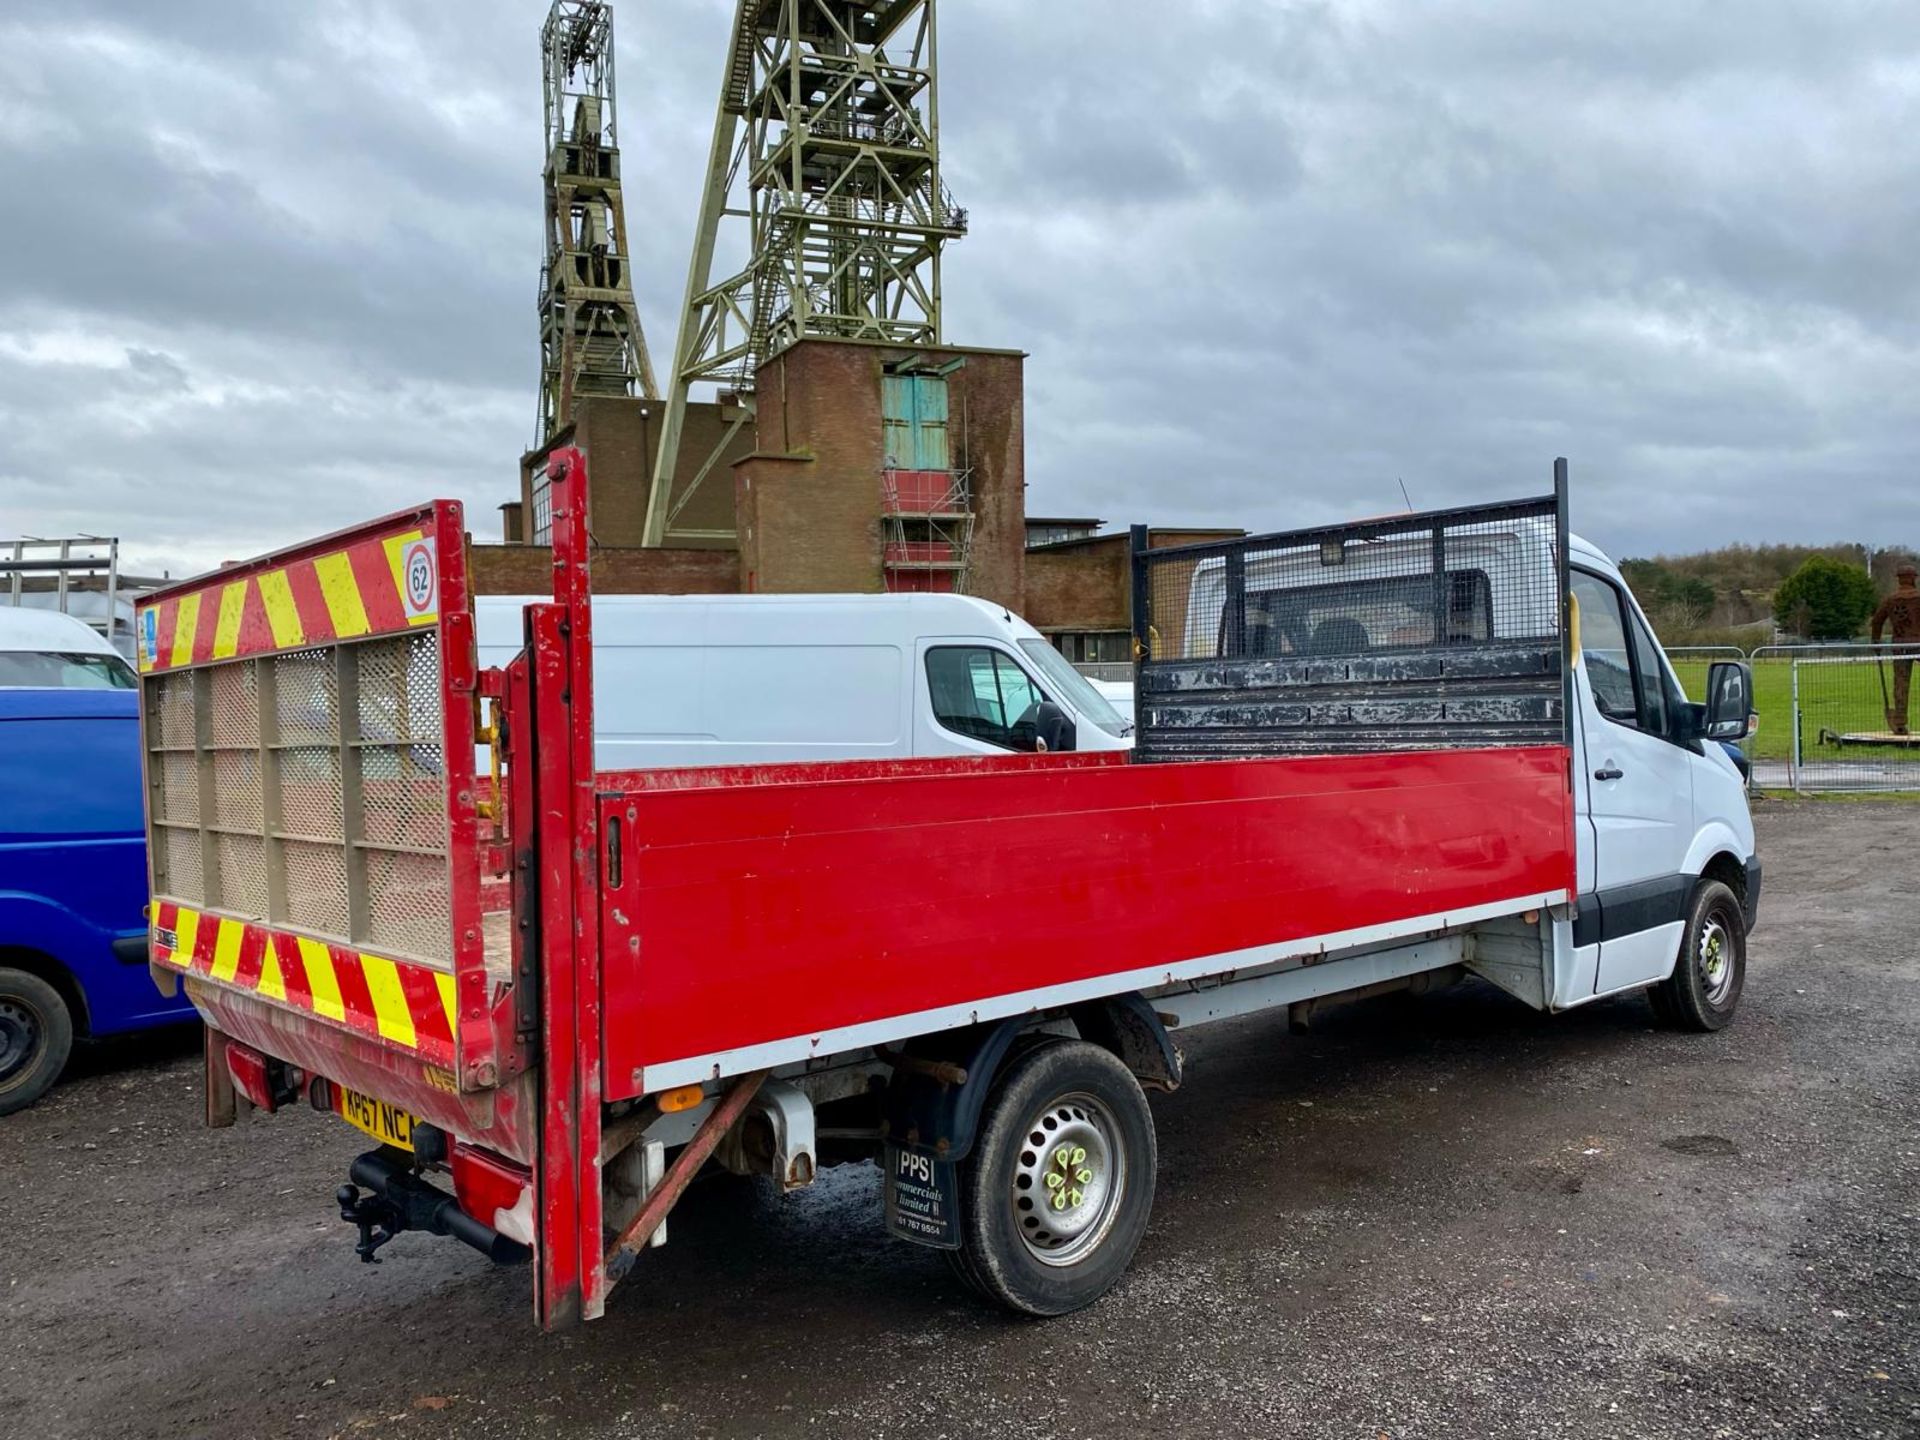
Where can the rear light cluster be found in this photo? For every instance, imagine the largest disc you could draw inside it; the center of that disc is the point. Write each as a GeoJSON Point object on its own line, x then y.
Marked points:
{"type": "Point", "coordinates": [494, 1191]}
{"type": "Point", "coordinates": [267, 1083]}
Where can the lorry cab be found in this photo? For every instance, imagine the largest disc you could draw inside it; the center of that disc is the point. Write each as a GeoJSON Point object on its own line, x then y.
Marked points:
{"type": "Point", "coordinates": [1661, 815]}
{"type": "Point", "coordinates": [758, 679]}
{"type": "Point", "coordinates": [1660, 808]}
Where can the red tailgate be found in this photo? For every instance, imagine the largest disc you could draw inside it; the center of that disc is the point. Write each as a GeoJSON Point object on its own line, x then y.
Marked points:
{"type": "Point", "coordinates": [315, 825]}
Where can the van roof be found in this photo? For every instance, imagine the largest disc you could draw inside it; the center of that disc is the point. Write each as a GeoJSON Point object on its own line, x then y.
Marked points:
{"type": "Point", "coordinates": [1588, 551]}
{"type": "Point", "coordinates": [925, 604]}
{"type": "Point", "coordinates": [48, 632]}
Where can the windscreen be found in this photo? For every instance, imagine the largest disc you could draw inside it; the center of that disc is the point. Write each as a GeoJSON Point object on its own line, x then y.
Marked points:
{"type": "Point", "coordinates": [47, 670]}
{"type": "Point", "coordinates": [1075, 687]}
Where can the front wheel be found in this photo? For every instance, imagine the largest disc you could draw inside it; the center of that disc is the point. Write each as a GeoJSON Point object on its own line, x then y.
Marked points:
{"type": "Point", "coordinates": [1704, 989]}
{"type": "Point", "coordinates": [36, 1036]}
{"type": "Point", "coordinates": [1057, 1190]}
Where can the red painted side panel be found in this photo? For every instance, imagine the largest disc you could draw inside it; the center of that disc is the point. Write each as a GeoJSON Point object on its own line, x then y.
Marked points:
{"type": "Point", "coordinates": [751, 913]}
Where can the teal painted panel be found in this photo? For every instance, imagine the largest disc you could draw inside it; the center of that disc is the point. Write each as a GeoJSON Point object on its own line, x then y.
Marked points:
{"type": "Point", "coordinates": [930, 430]}
{"type": "Point", "coordinates": [896, 419]}
{"type": "Point", "coordinates": [913, 414]}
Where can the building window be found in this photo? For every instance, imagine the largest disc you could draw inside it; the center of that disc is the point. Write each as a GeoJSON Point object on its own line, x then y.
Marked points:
{"type": "Point", "coordinates": [1095, 647]}
{"type": "Point", "coordinates": [1050, 532]}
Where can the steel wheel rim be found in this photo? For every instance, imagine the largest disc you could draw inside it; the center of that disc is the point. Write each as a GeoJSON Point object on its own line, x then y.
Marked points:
{"type": "Point", "coordinates": [19, 1038]}
{"type": "Point", "coordinates": [1068, 1179]}
{"type": "Point", "coordinates": [1715, 958]}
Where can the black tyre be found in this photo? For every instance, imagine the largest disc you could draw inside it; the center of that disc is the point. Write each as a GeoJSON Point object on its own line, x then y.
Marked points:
{"type": "Point", "coordinates": [36, 1036]}
{"type": "Point", "coordinates": [1056, 1193]}
{"type": "Point", "coordinates": [1704, 989]}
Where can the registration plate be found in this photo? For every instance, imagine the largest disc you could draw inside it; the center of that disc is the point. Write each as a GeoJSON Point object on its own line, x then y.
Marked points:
{"type": "Point", "coordinates": [388, 1124]}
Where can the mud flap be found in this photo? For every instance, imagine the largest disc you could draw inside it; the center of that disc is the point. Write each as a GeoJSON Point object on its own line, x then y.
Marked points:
{"type": "Point", "coordinates": [923, 1198]}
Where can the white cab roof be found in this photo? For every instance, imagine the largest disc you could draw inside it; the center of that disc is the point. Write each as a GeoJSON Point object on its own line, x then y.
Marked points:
{"type": "Point", "coordinates": [48, 632]}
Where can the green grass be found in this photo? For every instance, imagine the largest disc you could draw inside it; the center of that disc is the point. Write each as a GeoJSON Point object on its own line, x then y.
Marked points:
{"type": "Point", "coordinates": [1844, 797]}
{"type": "Point", "coordinates": [1842, 698]}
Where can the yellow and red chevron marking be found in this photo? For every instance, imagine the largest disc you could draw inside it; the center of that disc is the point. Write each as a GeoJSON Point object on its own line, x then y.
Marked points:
{"type": "Point", "coordinates": [404, 1005]}
{"type": "Point", "coordinates": [374, 585]}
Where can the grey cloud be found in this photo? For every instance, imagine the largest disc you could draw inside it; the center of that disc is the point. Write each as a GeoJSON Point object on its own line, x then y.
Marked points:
{"type": "Point", "coordinates": [1269, 259]}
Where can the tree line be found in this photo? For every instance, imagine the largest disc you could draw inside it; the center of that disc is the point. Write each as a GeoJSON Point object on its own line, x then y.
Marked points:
{"type": "Point", "coordinates": [1744, 594]}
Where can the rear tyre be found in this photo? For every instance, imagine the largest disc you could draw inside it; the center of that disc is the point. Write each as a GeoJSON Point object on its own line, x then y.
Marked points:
{"type": "Point", "coordinates": [1056, 1193]}
{"type": "Point", "coordinates": [1704, 989]}
{"type": "Point", "coordinates": [36, 1036]}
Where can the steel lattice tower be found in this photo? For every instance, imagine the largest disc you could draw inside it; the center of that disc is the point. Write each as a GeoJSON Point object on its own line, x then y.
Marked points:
{"type": "Point", "coordinates": [826, 145]}
{"type": "Point", "coordinates": [591, 342]}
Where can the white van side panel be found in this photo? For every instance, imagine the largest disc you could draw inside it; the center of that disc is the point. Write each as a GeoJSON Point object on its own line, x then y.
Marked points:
{"type": "Point", "coordinates": [762, 679]}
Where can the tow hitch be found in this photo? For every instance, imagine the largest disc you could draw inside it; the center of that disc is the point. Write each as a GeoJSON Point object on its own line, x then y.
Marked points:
{"type": "Point", "coordinates": [400, 1201]}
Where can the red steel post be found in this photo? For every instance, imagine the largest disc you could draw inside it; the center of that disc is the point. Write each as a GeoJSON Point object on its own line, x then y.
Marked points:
{"type": "Point", "coordinates": [572, 1272]}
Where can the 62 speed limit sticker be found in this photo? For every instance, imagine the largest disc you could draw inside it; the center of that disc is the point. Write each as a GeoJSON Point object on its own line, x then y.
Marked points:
{"type": "Point", "coordinates": [420, 580]}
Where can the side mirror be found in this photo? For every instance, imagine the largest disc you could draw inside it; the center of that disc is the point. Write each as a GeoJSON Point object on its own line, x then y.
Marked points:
{"type": "Point", "coordinates": [1729, 701]}
{"type": "Point", "coordinates": [1055, 730]}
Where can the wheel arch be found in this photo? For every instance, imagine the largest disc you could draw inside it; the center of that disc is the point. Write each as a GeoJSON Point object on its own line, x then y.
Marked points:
{"type": "Point", "coordinates": [1729, 870]}
{"type": "Point", "coordinates": [64, 982]}
{"type": "Point", "coordinates": [941, 1082]}
{"type": "Point", "coordinates": [1715, 851]}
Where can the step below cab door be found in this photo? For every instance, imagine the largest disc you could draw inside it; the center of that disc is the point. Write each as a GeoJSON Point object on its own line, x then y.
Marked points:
{"type": "Point", "coordinates": [1639, 788]}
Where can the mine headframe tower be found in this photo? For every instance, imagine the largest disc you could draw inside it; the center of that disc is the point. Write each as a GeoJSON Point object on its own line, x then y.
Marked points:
{"type": "Point", "coordinates": [826, 163]}
{"type": "Point", "coordinates": [591, 342]}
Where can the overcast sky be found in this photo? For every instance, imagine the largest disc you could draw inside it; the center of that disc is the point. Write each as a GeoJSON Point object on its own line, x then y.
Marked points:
{"type": "Point", "coordinates": [268, 269]}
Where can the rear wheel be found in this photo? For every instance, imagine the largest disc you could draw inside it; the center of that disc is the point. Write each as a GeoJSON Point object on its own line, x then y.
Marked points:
{"type": "Point", "coordinates": [1057, 1191]}
{"type": "Point", "coordinates": [1704, 989]}
{"type": "Point", "coordinates": [36, 1036]}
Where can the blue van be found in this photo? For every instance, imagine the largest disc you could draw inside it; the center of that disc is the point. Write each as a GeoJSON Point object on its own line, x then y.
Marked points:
{"type": "Point", "coordinates": [73, 858]}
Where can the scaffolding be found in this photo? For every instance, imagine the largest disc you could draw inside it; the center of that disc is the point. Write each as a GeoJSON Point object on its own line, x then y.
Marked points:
{"type": "Point", "coordinates": [927, 530]}
{"type": "Point", "coordinates": [826, 156]}
{"type": "Point", "coordinates": [591, 341]}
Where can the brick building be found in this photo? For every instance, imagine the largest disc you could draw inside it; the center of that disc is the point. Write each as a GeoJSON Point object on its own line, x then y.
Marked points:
{"type": "Point", "coordinates": [867, 467]}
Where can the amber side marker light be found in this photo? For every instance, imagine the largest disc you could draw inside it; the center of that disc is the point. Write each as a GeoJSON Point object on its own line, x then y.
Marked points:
{"type": "Point", "coordinates": [684, 1097]}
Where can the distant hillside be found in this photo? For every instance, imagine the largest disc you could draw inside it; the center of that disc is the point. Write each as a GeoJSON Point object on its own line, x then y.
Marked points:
{"type": "Point", "coordinates": [1697, 599]}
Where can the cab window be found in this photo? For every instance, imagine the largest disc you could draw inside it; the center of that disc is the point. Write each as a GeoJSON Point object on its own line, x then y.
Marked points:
{"type": "Point", "coordinates": [1604, 649]}
{"type": "Point", "coordinates": [982, 693]}
{"type": "Point", "coordinates": [1651, 676]}
{"type": "Point", "coordinates": [1621, 657]}
{"type": "Point", "coordinates": [1353, 617]}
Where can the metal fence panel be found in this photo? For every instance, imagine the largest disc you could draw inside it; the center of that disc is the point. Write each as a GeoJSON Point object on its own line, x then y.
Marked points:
{"type": "Point", "coordinates": [1851, 718]}
{"type": "Point", "coordinates": [1682, 654]}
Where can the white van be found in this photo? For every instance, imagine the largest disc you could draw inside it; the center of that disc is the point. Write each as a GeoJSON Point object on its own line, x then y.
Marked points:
{"type": "Point", "coordinates": [1661, 809]}
{"type": "Point", "coordinates": [757, 679]}
{"type": "Point", "coordinates": [44, 649]}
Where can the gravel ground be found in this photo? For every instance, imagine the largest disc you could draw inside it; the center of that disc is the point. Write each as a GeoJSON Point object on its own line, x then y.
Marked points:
{"type": "Point", "coordinates": [1444, 1217]}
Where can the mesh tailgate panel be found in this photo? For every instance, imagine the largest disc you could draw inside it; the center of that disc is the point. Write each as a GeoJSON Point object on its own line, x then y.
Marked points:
{"type": "Point", "coordinates": [309, 793]}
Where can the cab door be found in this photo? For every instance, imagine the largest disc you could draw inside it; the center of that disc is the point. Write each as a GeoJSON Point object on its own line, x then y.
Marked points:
{"type": "Point", "coordinates": [1639, 784]}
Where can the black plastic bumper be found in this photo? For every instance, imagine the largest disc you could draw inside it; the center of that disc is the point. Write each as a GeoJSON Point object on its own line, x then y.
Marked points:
{"type": "Point", "coordinates": [1753, 892]}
